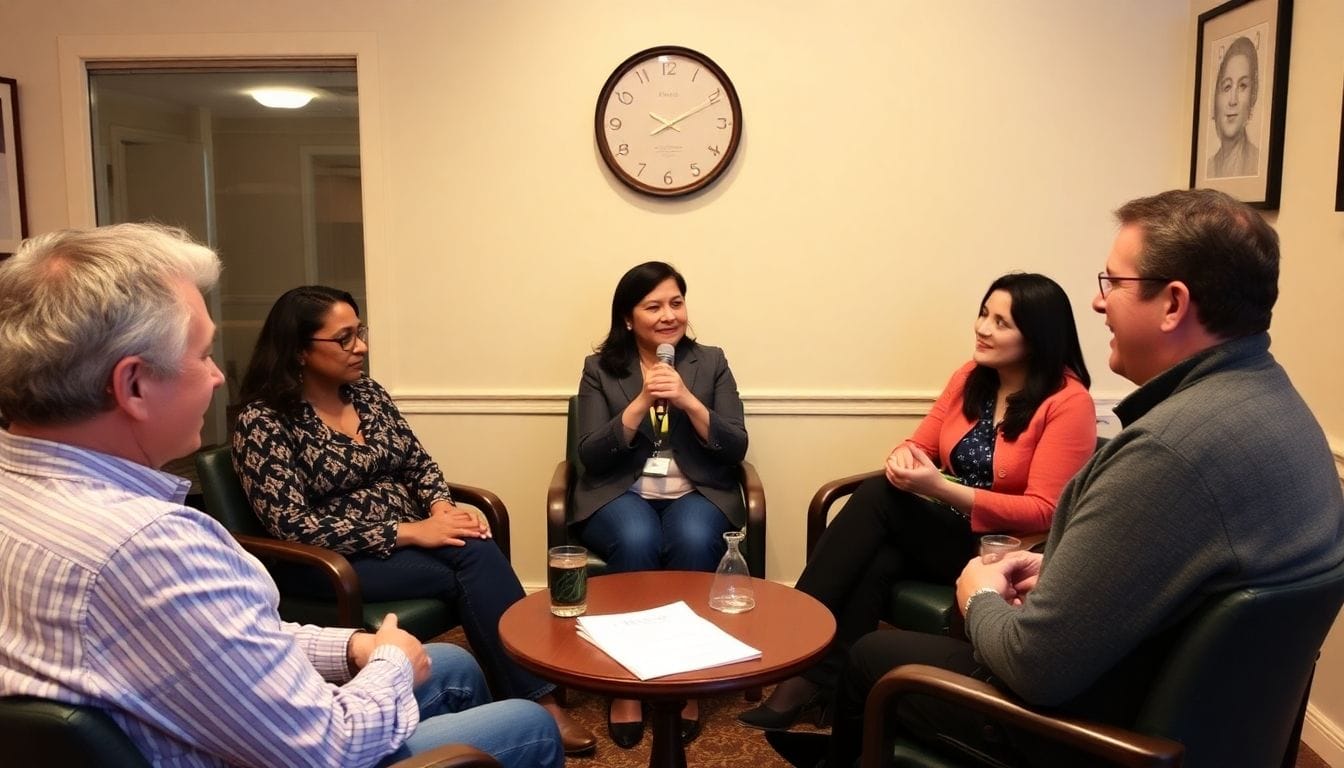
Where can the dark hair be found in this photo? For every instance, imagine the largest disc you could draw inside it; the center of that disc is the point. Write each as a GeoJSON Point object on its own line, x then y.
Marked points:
{"type": "Point", "coordinates": [617, 352]}
{"type": "Point", "coordinates": [273, 374]}
{"type": "Point", "coordinates": [1219, 247]}
{"type": "Point", "coordinates": [1242, 46]}
{"type": "Point", "coordinates": [1042, 312]}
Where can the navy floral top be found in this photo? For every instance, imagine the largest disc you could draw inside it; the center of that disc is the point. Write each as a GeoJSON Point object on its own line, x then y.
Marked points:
{"type": "Point", "coordinates": [973, 456]}
{"type": "Point", "coordinates": [311, 484]}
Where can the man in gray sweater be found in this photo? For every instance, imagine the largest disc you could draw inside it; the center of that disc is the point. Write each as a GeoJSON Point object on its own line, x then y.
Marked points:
{"type": "Point", "coordinates": [1221, 478]}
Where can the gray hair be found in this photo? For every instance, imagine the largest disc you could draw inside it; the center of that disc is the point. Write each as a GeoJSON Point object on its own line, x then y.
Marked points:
{"type": "Point", "coordinates": [74, 303]}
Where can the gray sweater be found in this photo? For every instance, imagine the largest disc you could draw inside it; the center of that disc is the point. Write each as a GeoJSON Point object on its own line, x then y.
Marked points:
{"type": "Point", "coordinates": [1221, 478]}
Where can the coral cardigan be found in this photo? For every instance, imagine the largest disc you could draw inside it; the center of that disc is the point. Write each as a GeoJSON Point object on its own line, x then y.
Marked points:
{"type": "Point", "coordinates": [1029, 472]}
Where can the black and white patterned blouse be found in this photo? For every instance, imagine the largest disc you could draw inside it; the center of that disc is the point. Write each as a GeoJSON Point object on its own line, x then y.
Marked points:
{"type": "Point", "coordinates": [312, 484]}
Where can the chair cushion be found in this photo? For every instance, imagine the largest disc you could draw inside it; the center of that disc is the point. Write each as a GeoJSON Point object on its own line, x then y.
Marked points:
{"type": "Point", "coordinates": [425, 618]}
{"type": "Point", "coordinates": [41, 733]}
{"type": "Point", "coordinates": [922, 607]}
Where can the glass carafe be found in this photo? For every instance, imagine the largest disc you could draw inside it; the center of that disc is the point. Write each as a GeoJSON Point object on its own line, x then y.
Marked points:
{"type": "Point", "coordinates": [732, 591]}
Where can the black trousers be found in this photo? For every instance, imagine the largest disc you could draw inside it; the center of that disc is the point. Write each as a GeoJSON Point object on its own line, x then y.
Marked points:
{"type": "Point", "coordinates": [882, 535]}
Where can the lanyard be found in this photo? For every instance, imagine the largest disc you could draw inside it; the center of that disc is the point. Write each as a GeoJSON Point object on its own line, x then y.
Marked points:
{"type": "Point", "coordinates": [659, 428]}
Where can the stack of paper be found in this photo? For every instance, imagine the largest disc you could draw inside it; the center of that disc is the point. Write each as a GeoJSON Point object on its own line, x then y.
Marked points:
{"type": "Point", "coordinates": [663, 641]}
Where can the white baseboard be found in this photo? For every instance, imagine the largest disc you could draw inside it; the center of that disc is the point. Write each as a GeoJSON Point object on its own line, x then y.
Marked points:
{"type": "Point", "coordinates": [1324, 737]}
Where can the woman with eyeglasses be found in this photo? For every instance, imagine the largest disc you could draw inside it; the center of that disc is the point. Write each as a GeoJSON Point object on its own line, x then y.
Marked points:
{"type": "Point", "coordinates": [1013, 424]}
{"type": "Point", "coordinates": [326, 458]}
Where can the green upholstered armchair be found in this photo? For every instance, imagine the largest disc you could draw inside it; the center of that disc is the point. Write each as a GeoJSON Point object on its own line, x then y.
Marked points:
{"type": "Point", "coordinates": [425, 618]}
{"type": "Point", "coordinates": [919, 606]}
{"type": "Point", "coordinates": [41, 733]}
{"type": "Point", "coordinates": [559, 511]}
{"type": "Point", "coordinates": [1231, 691]}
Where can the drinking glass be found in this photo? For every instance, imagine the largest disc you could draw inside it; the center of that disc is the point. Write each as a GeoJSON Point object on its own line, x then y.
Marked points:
{"type": "Point", "coordinates": [567, 578]}
{"type": "Point", "coordinates": [995, 546]}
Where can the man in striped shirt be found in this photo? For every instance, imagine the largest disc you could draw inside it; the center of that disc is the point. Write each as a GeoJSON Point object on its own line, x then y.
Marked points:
{"type": "Point", "coordinates": [113, 594]}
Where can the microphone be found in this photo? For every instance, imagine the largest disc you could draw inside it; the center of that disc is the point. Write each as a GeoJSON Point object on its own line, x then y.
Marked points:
{"type": "Point", "coordinates": [666, 354]}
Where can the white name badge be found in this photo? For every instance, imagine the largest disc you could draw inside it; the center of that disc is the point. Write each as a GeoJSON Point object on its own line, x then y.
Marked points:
{"type": "Point", "coordinates": [657, 466]}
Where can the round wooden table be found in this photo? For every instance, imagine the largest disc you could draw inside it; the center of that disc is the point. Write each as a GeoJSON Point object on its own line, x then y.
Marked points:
{"type": "Point", "coordinates": [791, 629]}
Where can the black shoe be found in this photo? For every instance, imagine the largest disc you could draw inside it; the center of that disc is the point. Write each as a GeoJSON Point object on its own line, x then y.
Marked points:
{"type": "Point", "coordinates": [689, 729]}
{"type": "Point", "coordinates": [625, 735]}
{"type": "Point", "coordinates": [801, 750]}
{"type": "Point", "coordinates": [768, 719]}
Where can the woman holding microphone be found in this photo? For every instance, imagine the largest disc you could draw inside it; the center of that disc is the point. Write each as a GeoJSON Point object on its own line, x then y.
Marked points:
{"type": "Point", "coordinates": [661, 433]}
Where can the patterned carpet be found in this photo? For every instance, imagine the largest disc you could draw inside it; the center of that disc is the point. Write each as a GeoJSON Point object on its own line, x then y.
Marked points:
{"type": "Point", "coordinates": [723, 742]}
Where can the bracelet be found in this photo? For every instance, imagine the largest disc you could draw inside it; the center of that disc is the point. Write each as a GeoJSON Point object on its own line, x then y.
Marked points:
{"type": "Point", "coordinates": [966, 609]}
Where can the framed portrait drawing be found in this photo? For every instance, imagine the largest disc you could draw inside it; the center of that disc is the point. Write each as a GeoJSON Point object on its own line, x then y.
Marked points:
{"type": "Point", "coordinates": [1339, 179]}
{"type": "Point", "coordinates": [13, 216]}
{"type": "Point", "coordinates": [1241, 99]}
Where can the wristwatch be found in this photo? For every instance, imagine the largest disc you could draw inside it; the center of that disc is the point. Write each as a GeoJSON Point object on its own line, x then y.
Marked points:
{"type": "Point", "coordinates": [966, 609]}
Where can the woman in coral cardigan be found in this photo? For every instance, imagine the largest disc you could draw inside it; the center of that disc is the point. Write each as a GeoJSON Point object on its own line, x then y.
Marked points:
{"type": "Point", "coordinates": [1009, 430]}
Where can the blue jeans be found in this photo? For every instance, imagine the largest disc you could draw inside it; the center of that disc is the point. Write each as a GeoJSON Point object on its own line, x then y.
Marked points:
{"type": "Point", "coordinates": [633, 533]}
{"type": "Point", "coordinates": [455, 708]}
{"type": "Point", "coordinates": [476, 579]}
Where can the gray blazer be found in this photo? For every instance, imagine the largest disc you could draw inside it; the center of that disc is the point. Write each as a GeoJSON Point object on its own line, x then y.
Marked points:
{"type": "Point", "coordinates": [609, 466]}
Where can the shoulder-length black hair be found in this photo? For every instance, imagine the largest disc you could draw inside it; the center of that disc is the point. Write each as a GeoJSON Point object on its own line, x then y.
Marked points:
{"type": "Point", "coordinates": [1042, 312]}
{"type": "Point", "coordinates": [617, 352]}
{"type": "Point", "coordinates": [273, 374]}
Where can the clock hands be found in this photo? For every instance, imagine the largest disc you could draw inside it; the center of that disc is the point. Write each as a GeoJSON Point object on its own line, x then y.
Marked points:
{"type": "Point", "coordinates": [713, 98]}
{"type": "Point", "coordinates": [665, 123]}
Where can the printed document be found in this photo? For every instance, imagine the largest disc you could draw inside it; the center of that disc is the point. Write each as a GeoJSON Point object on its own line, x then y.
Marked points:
{"type": "Point", "coordinates": [663, 641]}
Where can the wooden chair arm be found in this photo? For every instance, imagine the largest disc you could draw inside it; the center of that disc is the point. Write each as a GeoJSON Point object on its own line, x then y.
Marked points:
{"type": "Point", "coordinates": [492, 506]}
{"type": "Point", "coordinates": [557, 504]}
{"type": "Point", "coordinates": [819, 510]}
{"type": "Point", "coordinates": [1117, 746]}
{"type": "Point", "coordinates": [344, 581]}
{"type": "Point", "coordinates": [754, 494]}
{"type": "Point", "coordinates": [449, 756]}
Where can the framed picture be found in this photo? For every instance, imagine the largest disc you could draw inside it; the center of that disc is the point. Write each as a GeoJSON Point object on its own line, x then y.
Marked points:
{"type": "Point", "coordinates": [13, 215]}
{"type": "Point", "coordinates": [1241, 99]}
{"type": "Point", "coordinates": [1339, 180]}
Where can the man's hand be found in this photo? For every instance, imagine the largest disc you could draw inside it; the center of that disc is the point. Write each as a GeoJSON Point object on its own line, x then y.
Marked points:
{"type": "Point", "coordinates": [1012, 577]}
{"type": "Point", "coordinates": [390, 634]}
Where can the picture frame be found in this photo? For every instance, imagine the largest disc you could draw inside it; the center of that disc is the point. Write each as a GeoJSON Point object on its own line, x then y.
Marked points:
{"type": "Point", "coordinates": [1241, 99]}
{"type": "Point", "coordinates": [1339, 179]}
{"type": "Point", "coordinates": [13, 210]}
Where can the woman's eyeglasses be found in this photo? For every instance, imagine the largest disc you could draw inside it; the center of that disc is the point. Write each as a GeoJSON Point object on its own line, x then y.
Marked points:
{"type": "Point", "coordinates": [1106, 282]}
{"type": "Point", "coordinates": [347, 339]}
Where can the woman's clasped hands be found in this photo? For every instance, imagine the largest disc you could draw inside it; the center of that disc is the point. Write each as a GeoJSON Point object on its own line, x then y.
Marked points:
{"type": "Point", "coordinates": [911, 470]}
{"type": "Point", "coordinates": [448, 525]}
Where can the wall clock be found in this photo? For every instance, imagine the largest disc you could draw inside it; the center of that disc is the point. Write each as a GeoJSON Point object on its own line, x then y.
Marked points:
{"type": "Point", "coordinates": [668, 121]}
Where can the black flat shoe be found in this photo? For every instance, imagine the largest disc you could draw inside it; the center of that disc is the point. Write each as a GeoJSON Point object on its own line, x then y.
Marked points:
{"type": "Point", "coordinates": [767, 719]}
{"type": "Point", "coordinates": [624, 735]}
{"type": "Point", "coordinates": [689, 729]}
{"type": "Point", "coordinates": [801, 750]}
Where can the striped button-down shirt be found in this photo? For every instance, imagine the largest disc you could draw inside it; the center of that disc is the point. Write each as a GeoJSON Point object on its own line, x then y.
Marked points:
{"type": "Point", "coordinates": [114, 594]}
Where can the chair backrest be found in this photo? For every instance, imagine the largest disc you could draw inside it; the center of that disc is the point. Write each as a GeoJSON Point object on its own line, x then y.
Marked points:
{"type": "Point", "coordinates": [572, 436]}
{"type": "Point", "coordinates": [41, 733]}
{"type": "Point", "coordinates": [224, 497]}
{"type": "Point", "coordinates": [1233, 686]}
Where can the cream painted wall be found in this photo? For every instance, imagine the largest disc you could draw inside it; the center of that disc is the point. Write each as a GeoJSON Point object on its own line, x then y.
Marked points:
{"type": "Point", "coordinates": [896, 156]}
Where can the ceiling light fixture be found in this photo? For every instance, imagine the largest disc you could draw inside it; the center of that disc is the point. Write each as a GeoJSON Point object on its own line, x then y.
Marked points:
{"type": "Point", "coordinates": [282, 98]}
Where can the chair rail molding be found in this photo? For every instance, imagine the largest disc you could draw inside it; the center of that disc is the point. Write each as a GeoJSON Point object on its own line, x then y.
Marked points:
{"type": "Point", "coordinates": [756, 403]}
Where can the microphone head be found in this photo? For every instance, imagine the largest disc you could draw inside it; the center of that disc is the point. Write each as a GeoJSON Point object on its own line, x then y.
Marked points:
{"type": "Point", "coordinates": [667, 353]}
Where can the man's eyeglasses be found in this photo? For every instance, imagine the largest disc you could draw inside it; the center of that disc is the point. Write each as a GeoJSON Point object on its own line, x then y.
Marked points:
{"type": "Point", "coordinates": [1106, 282]}
{"type": "Point", "coordinates": [347, 339]}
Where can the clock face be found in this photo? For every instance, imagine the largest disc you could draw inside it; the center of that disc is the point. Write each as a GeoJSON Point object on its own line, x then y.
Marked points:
{"type": "Point", "coordinates": [668, 121]}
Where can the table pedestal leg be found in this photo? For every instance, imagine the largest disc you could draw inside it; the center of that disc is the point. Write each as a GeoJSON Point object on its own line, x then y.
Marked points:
{"type": "Point", "coordinates": [668, 751]}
